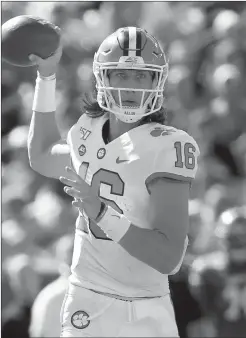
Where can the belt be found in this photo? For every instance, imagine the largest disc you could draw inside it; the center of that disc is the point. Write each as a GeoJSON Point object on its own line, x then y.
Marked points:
{"type": "Point", "coordinates": [123, 298]}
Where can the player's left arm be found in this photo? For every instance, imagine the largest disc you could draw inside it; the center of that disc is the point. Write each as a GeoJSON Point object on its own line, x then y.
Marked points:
{"type": "Point", "coordinates": [163, 246]}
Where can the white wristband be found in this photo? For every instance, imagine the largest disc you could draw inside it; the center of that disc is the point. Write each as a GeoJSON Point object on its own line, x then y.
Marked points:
{"type": "Point", "coordinates": [115, 225]}
{"type": "Point", "coordinates": [45, 94]}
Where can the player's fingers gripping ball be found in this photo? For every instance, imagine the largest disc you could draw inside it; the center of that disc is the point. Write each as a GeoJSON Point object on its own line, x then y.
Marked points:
{"type": "Point", "coordinates": [51, 61]}
{"type": "Point", "coordinates": [25, 35]}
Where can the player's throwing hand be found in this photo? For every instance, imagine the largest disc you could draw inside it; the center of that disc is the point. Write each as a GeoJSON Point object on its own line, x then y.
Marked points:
{"type": "Point", "coordinates": [47, 67]}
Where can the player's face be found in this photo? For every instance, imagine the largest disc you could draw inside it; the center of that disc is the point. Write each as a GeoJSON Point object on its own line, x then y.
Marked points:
{"type": "Point", "coordinates": [130, 78]}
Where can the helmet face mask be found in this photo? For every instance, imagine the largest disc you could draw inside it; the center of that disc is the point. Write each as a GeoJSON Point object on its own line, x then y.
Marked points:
{"type": "Point", "coordinates": [134, 49]}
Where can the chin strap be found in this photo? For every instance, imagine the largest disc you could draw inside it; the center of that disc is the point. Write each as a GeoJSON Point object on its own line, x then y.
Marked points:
{"type": "Point", "coordinates": [128, 114]}
{"type": "Point", "coordinates": [125, 114]}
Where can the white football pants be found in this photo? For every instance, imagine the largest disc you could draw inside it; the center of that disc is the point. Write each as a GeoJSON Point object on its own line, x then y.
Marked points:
{"type": "Point", "coordinates": [86, 313]}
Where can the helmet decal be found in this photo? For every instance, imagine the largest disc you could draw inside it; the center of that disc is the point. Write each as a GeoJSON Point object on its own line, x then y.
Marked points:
{"type": "Point", "coordinates": [139, 44]}
{"type": "Point", "coordinates": [130, 41]}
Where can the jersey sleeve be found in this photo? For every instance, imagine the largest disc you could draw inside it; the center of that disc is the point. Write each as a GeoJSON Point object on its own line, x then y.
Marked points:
{"type": "Point", "coordinates": [77, 140]}
{"type": "Point", "coordinates": [74, 142]}
{"type": "Point", "coordinates": [176, 158]}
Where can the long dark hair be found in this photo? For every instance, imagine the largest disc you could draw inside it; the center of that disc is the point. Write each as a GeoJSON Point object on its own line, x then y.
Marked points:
{"type": "Point", "coordinates": [91, 107]}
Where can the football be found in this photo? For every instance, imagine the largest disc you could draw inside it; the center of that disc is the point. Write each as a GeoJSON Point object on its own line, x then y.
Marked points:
{"type": "Point", "coordinates": [24, 35]}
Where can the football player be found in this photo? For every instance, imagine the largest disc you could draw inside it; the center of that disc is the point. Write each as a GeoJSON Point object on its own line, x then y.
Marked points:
{"type": "Point", "coordinates": [130, 175]}
{"type": "Point", "coordinates": [218, 279]}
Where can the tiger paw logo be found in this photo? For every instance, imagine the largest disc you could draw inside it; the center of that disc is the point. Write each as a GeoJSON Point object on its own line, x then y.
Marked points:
{"type": "Point", "coordinates": [158, 131]}
{"type": "Point", "coordinates": [101, 153]}
{"type": "Point", "coordinates": [80, 320]}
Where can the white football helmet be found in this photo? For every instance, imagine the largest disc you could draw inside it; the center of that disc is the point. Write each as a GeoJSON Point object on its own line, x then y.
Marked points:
{"type": "Point", "coordinates": [130, 48]}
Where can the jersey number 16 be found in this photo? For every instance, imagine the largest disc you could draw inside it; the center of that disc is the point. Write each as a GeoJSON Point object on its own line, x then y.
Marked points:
{"type": "Point", "coordinates": [185, 155]}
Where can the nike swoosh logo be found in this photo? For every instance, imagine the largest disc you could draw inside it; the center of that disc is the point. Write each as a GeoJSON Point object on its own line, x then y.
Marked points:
{"type": "Point", "coordinates": [120, 161]}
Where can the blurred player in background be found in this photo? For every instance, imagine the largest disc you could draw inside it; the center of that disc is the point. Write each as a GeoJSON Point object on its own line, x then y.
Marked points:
{"type": "Point", "coordinates": [45, 313]}
{"type": "Point", "coordinates": [25, 284]}
{"type": "Point", "coordinates": [131, 176]}
{"type": "Point", "coordinates": [218, 279]}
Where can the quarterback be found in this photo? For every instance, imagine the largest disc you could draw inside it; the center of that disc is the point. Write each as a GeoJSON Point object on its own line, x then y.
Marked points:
{"type": "Point", "coordinates": [130, 177]}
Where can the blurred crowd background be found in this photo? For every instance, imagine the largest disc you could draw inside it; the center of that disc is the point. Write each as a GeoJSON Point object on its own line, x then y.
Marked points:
{"type": "Point", "coordinates": [205, 43]}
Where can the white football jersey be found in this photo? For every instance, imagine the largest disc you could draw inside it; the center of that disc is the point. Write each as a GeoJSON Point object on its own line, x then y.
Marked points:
{"type": "Point", "coordinates": [120, 172]}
